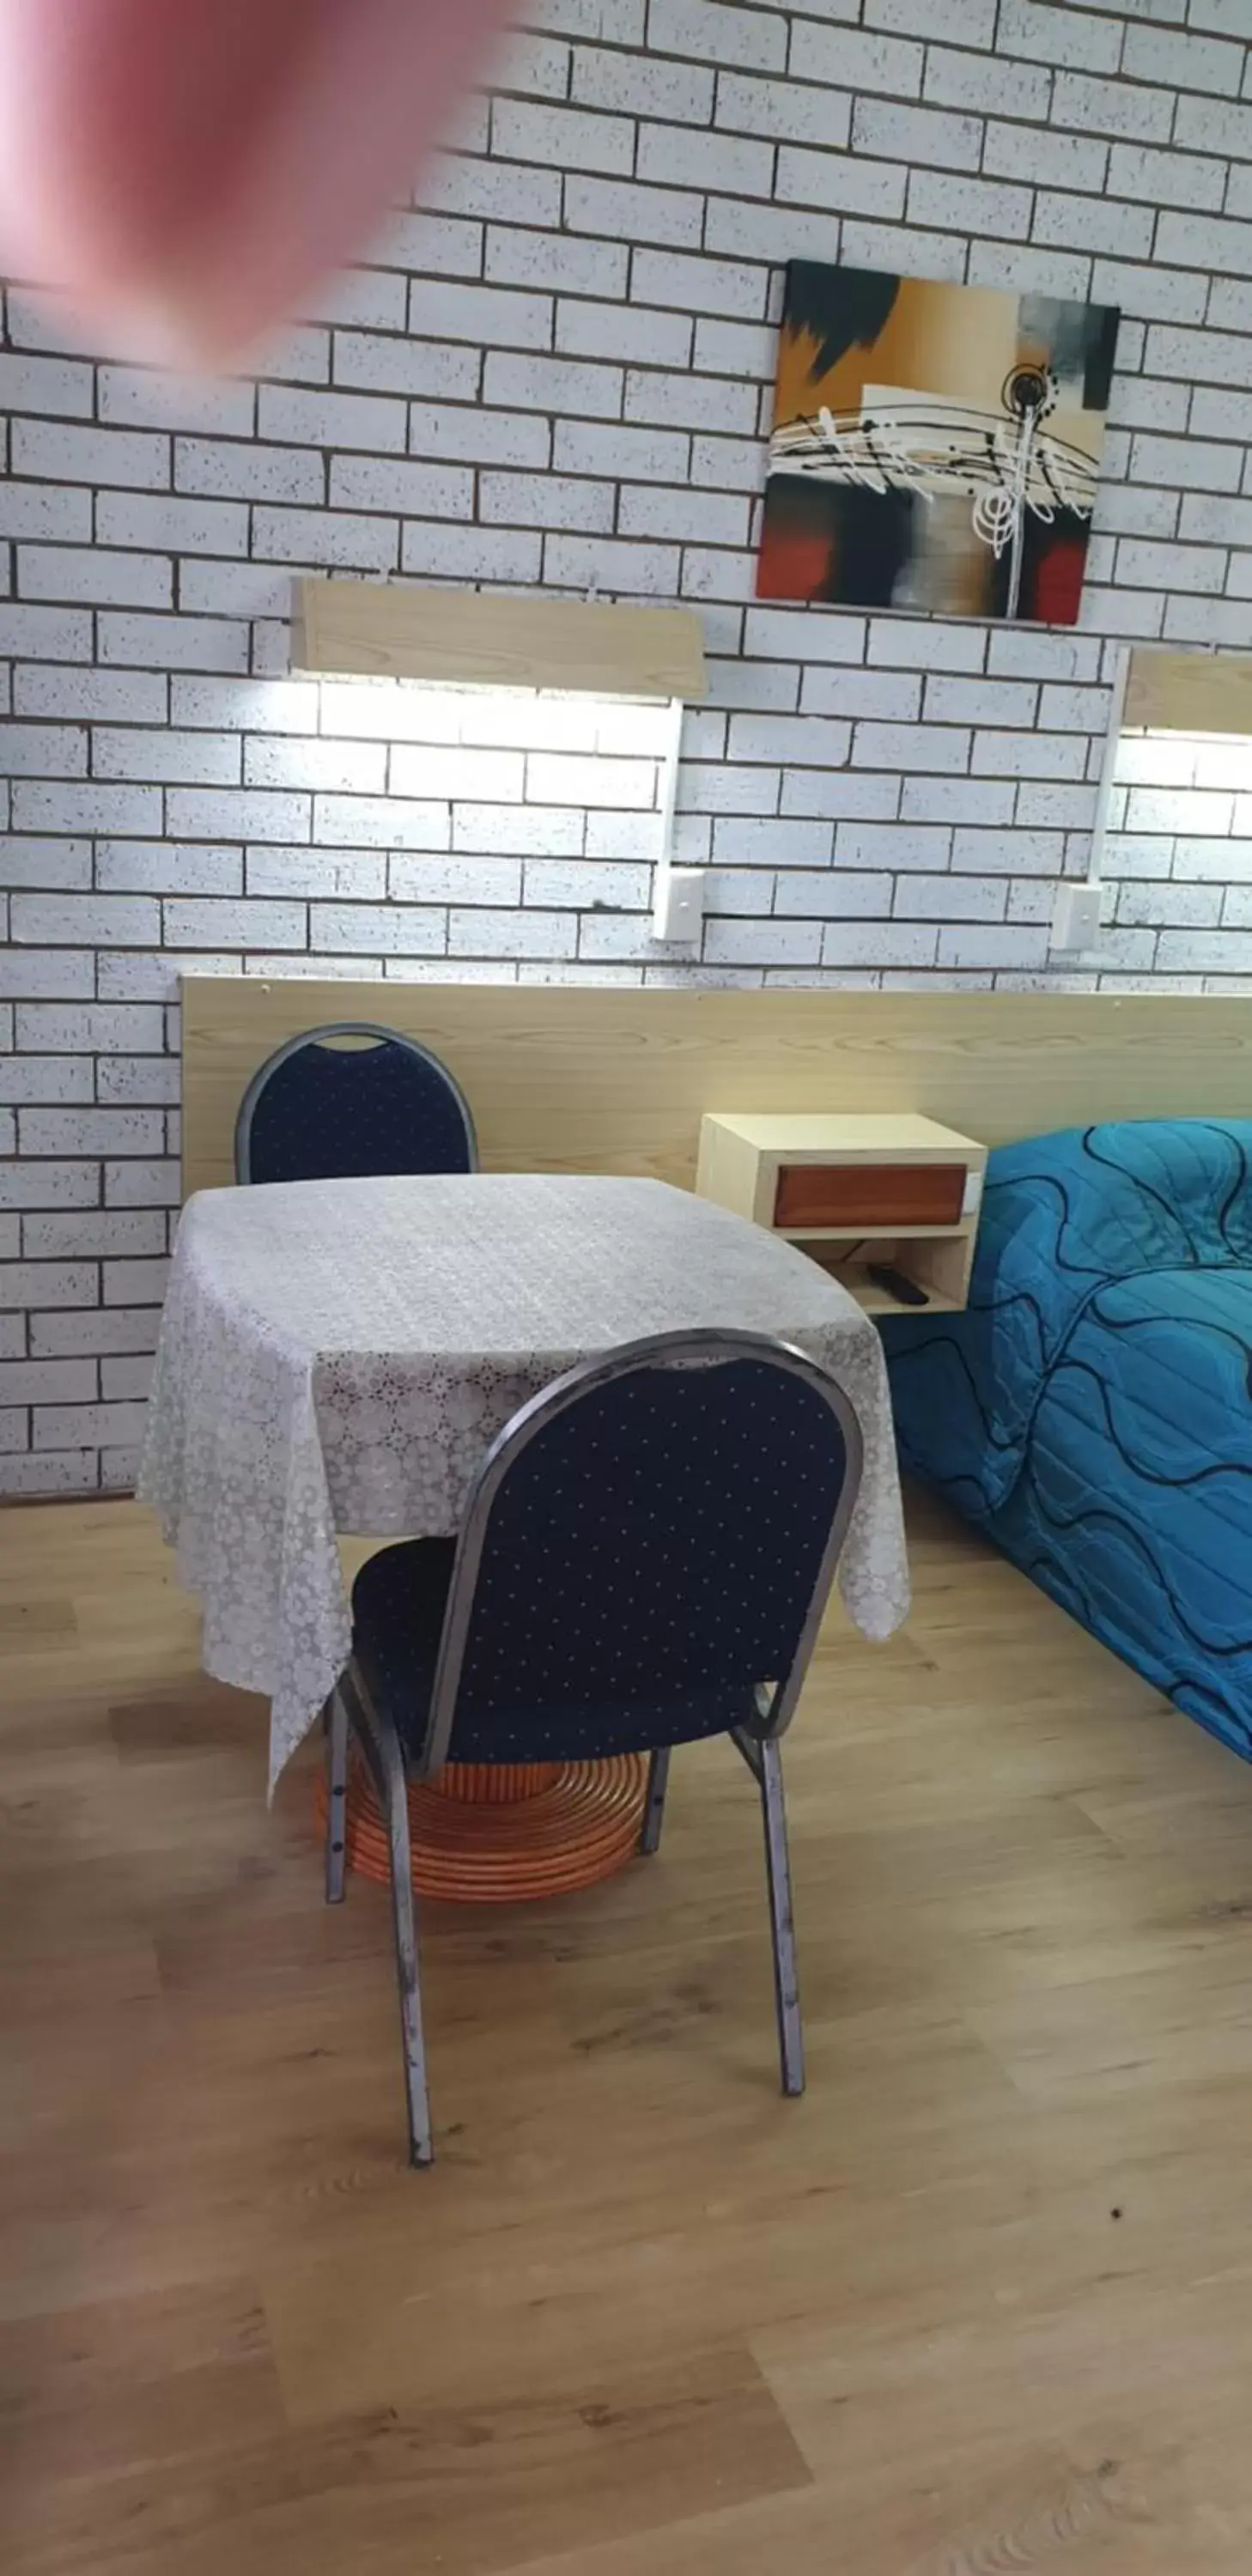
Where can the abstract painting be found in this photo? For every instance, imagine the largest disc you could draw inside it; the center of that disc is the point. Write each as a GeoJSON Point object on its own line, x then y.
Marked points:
{"type": "Point", "coordinates": [935, 447]}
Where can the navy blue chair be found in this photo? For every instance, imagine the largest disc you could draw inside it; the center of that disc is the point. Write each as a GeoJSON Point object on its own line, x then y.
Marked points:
{"type": "Point", "coordinates": [319, 1111]}
{"type": "Point", "coordinates": [645, 1559]}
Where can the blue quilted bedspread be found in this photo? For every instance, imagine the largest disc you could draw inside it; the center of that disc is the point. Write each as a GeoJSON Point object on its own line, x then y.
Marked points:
{"type": "Point", "coordinates": [1093, 1408]}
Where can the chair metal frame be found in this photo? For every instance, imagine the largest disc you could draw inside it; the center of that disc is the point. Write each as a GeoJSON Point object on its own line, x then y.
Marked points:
{"type": "Point", "coordinates": [381, 1035]}
{"type": "Point", "coordinates": [351, 1706]}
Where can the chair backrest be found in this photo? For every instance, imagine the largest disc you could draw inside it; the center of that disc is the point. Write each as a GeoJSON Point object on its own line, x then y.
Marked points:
{"type": "Point", "coordinates": [320, 1111]}
{"type": "Point", "coordinates": [647, 1552]}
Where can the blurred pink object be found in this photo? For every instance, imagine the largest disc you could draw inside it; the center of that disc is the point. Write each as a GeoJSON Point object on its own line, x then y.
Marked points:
{"type": "Point", "coordinates": [185, 170]}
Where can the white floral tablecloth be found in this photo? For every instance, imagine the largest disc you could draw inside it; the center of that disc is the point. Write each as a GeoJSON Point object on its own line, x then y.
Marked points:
{"type": "Point", "coordinates": [338, 1355]}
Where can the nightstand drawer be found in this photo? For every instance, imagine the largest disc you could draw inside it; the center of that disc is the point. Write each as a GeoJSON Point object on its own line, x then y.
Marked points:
{"type": "Point", "coordinates": [869, 1194]}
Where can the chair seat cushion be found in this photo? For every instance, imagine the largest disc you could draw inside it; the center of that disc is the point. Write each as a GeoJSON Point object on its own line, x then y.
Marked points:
{"type": "Point", "coordinates": [398, 1604]}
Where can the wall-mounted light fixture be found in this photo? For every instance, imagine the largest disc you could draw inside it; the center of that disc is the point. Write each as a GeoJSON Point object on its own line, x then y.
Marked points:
{"type": "Point", "coordinates": [1194, 694]}
{"type": "Point", "coordinates": [478, 640]}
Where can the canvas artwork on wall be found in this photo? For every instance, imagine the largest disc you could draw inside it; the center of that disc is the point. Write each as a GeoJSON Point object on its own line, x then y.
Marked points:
{"type": "Point", "coordinates": [935, 446]}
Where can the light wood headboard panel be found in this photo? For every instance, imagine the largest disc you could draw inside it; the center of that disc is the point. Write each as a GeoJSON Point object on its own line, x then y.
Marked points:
{"type": "Point", "coordinates": [592, 1079]}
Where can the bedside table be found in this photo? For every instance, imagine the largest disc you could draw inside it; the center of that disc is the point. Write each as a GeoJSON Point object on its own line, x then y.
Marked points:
{"type": "Point", "coordinates": [895, 1191]}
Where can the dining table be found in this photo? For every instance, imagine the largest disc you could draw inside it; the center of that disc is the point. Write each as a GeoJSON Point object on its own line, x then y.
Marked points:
{"type": "Point", "coordinates": [336, 1357]}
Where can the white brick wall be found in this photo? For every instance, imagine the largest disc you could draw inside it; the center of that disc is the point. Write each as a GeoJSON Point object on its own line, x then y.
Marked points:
{"type": "Point", "coordinates": [557, 370]}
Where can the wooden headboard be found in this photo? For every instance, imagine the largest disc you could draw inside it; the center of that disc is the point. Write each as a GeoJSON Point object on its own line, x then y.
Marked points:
{"type": "Point", "coordinates": [588, 1078]}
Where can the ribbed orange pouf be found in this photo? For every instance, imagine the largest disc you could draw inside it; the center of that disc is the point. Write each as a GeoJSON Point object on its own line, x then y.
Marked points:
{"type": "Point", "coordinates": [496, 1834]}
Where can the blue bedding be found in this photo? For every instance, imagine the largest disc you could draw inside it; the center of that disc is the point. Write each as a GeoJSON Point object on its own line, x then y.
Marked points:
{"type": "Point", "coordinates": [1092, 1409]}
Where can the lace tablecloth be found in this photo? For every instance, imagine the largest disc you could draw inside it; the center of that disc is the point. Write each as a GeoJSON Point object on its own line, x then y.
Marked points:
{"type": "Point", "coordinates": [338, 1355]}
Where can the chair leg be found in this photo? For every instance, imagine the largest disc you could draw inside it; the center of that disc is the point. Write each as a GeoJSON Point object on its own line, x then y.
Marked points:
{"type": "Point", "coordinates": [782, 1921]}
{"type": "Point", "coordinates": [421, 2147]}
{"type": "Point", "coordinates": [336, 1716]}
{"type": "Point", "coordinates": [654, 1802]}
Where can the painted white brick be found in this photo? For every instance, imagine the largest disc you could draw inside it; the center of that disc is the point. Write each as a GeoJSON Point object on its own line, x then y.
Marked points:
{"type": "Point", "coordinates": [148, 399]}
{"type": "Point", "coordinates": [1100, 223]}
{"type": "Point", "coordinates": [322, 873]}
{"type": "Point", "coordinates": [94, 1234]}
{"type": "Point", "coordinates": [65, 1335]}
{"type": "Point", "coordinates": [395, 367]}
{"type": "Point", "coordinates": [1056, 35]}
{"type": "Point", "coordinates": [385, 823]}
{"type": "Point", "coordinates": [1073, 161]}
{"type": "Point", "coordinates": [433, 879]}
{"type": "Point", "coordinates": [70, 1426]}
{"type": "Point", "coordinates": [357, 542]}
{"type": "Point", "coordinates": [32, 510]}
{"type": "Point", "coordinates": [178, 526]}
{"type": "Point", "coordinates": [957, 800]}
{"type": "Point", "coordinates": [132, 751]}
{"type": "Point", "coordinates": [828, 894]}
{"type": "Point", "coordinates": [48, 634]}
{"type": "Point", "coordinates": [54, 387]}
{"type": "Point", "coordinates": [1117, 108]}
{"type": "Point", "coordinates": [478, 437]}
{"type": "Point", "coordinates": [434, 774]}
{"type": "Point", "coordinates": [547, 501]}
{"type": "Point", "coordinates": [1186, 61]}
{"type": "Point", "coordinates": [556, 778]}
{"type": "Point", "coordinates": [880, 944]}
{"type": "Point", "coordinates": [845, 59]}
{"type": "Point", "coordinates": [624, 331]}
{"type": "Point", "coordinates": [1179, 567]}
{"type": "Point", "coordinates": [585, 447]}
{"type": "Point", "coordinates": [173, 643]}
{"type": "Point", "coordinates": [1029, 755]}
{"type": "Point", "coordinates": [836, 690]}
{"type": "Point", "coordinates": [97, 1029]}
{"type": "Point", "coordinates": [1030, 654]}
{"type": "Point", "coordinates": [479, 932]}
{"type": "Point", "coordinates": [45, 1183]}
{"type": "Point", "coordinates": [745, 841]}
{"type": "Point", "coordinates": [45, 1079]}
{"type": "Point", "coordinates": [783, 111]}
{"type": "Point", "coordinates": [470, 554]}
{"type": "Point", "coordinates": [48, 1283]}
{"type": "Point", "coordinates": [43, 690]}
{"type": "Point", "coordinates": [673, 401]}
{"type": "Point", "coordinates": [1006, 702]}
{"type": "Point", "coordinates": [575, 563]}
{"type": "Point", "coordinates": [840, 181]}
{"type": "Point", "coordinates": [918, 747]}
{"type": "Point", "coordinates": [42, 751]}
{"type": "Point", "coordinates": [917, 644]}
{"type": "Point", "coordinates": [562, 386]}
{"type": "Point", "coordinates": [245, 814]}
{"type": "Point", "coordinates": [959, 204]}
{"type": "Point", "coordinates": [840, 792]}
{"type": "Point", "coordinates": [682, 93]}
{"type": "Point", "coordinates": [165, 867]}
{"type": "Point", "coordinates": [385, 929]}
{"type": "Point", "coordinates": [634, 214]}
{"type": "Point", "coordinates": [697, 285]}
{"type": "Point", "coordinates": [416, 491]}
{"type": "Point", "coordinates": [545, 830]}
{"type": "Point", "coordinates": [995, 88]}
{"type": "Point", "coordinates": [375, 422]}
{"type": "Point", "coordinates": [939, 139]}
{"type": "Point", "coordinates": [756, 39]}
{"type": "Point", "coordinates": [118, 580]}
{"type": "Point", "coordinates": [65, 454]}
{"type": "Point", "coordinates": [156, 1184]}
{"type": "Point", "coordinates": [86, 806]}
{"type": "Point", "coordinates": [917, 18]}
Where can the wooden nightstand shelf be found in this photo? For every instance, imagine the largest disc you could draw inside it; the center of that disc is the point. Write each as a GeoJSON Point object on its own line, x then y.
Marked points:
{"type": "Point", "coordinates": [895, 1190]}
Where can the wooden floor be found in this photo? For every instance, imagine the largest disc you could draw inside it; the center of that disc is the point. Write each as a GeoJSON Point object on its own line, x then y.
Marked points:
{"type": "Point", "coordinates": [981, 2302]}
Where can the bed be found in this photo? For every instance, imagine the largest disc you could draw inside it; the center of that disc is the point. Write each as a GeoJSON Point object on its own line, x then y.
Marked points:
{"type": "Point", "coordinates": [1092, 1409]}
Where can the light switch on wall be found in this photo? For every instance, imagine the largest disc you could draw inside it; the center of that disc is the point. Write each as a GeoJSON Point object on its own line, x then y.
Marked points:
{"type": "Point", "coordinates": [679, 909]}
{"type": "Point", "coordinates": [1076, 917]}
